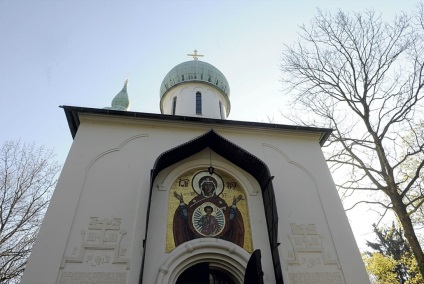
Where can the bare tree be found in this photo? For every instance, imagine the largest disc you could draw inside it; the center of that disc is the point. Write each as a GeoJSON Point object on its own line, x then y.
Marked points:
{"type": "Point", "coordinates": [408, 169]}
{"type": "Point", "coordinates": [27, 178]}
{"type": "Point", "coordinates": [363, 77]}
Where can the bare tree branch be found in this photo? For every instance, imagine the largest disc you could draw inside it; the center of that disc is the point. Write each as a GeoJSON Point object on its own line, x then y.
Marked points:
{"type": "Point", "coordinates": [27, 178]}
{"type": "Point", "coordinates": [364, 78]}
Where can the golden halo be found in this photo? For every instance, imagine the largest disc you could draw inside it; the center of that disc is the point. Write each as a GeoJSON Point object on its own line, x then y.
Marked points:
{"type": "Point", "coordinates": [216, 177]}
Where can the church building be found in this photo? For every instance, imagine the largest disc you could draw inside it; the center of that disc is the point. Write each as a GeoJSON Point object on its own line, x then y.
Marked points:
{"type": "Point", "coordinates": [189, 196]}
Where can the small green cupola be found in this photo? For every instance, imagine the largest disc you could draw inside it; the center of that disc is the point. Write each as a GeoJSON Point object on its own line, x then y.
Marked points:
{"type": "Point", "coordinates": [121, 101]}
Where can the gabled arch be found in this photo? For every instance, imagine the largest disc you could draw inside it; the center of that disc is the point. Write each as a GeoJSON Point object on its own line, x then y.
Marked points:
{"type": "Point", "coordinates": [221, 146]}
{"type": "Point", "coordinates": [239, 157]}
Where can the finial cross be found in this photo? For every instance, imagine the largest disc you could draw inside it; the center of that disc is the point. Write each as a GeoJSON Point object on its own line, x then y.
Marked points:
{"type": "Point", "coordinates": [195, 55]}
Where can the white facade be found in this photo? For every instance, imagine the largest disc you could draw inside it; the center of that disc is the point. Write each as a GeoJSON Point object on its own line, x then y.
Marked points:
{"type": "Point", "coordinates": [181, 100]}
{"type": "Point", "coordinates": [109, 217]}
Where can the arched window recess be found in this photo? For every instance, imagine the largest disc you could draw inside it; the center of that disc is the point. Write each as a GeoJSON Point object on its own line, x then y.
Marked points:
{"type": "Point", "coordinates": [241, 158]}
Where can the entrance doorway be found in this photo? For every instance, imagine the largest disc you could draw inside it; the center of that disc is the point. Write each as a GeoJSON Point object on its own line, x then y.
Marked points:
{"type": "Point", "coordinates": [205, 273]}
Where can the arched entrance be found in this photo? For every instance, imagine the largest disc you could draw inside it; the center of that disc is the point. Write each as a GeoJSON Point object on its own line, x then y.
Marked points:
{"type": "Point", "coordinates": [220, 257]}
{"type": "Point", "coordinates": [206, 273]}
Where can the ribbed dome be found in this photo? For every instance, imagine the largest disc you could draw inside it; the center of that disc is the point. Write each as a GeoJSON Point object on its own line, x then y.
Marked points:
{"type": "Point", "coordinates": [195, 71]}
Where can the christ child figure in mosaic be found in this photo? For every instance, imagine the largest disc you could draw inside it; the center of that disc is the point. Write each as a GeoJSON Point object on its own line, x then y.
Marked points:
{"type": "Point", "coordinates": [208, 223]}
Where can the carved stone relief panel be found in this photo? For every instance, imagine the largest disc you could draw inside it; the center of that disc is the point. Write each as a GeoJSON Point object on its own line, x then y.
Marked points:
{"type": "Point", "coordinates": [100, 247]}
{"type": "Point", "coordinates": [308, 259]}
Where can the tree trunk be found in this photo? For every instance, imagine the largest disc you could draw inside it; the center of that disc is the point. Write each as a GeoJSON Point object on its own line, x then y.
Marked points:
{"type": "Point", "coordinates": [400, 210]}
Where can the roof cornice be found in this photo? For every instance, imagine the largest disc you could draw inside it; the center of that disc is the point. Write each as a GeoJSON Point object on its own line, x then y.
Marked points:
{"type": "Point", "coordinates": [73, 112]}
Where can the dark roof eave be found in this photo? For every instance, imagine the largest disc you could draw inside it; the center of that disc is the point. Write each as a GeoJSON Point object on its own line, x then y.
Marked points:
{"type": "Point", "coordinates": [72, 115]}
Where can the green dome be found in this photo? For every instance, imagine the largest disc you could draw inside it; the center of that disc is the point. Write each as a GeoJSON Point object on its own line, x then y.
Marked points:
{"type": "Point", "coordinates": [195, 71]}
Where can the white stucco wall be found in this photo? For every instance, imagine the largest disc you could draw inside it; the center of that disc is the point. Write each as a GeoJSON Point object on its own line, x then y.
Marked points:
{"type": "Point", "coordinates": [107, 175]}
{"type": "Point", "coordinates": [186, 101]}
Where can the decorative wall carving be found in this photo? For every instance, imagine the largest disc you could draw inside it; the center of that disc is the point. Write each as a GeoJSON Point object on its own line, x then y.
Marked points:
{"type": "Point", "coordinates": [315, 278]}
{"type": "Point", "coordinates": [308, 247]}
{"type": "Point", "coordinates": [93, 278]}
{"type": "Point", "coordinates": [100, 244]}
{"type": "Point", "coordinates": [308, 254]}
{"type": "Point", "coordinates": [96, 260]}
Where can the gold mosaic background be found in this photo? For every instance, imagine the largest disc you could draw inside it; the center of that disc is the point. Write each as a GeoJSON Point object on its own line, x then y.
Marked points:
{"type": "Point", "coordinates": [182, 185]}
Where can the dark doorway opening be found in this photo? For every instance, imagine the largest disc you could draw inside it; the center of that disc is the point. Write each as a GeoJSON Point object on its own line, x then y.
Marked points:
{"type": "Point", "coordinates": [204, 273]}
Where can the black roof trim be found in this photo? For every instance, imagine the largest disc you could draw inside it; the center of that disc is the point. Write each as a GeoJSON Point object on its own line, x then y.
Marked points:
{"type": "Point", "coordinates": [72, 115]}
{"type": "Point", "coordinates": [223, 147]}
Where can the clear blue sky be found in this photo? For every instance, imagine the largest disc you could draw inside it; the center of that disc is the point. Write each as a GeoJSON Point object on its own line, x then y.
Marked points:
{"type": "Point", "coordinates": [80, 53]}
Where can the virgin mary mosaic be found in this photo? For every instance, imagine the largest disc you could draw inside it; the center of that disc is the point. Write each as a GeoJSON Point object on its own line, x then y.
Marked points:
{"type": "Point", "coordinates": [204, 205]}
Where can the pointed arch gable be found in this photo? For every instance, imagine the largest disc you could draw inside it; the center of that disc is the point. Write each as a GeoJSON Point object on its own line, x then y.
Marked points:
{"type": "Point", "coordinates": [219, 145]}
{"type": "Point", "coordinates": [239, 157]}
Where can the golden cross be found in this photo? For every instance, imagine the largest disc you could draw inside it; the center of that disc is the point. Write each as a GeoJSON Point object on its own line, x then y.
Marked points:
{"type": "Point", "coordinates": [195, 55]}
